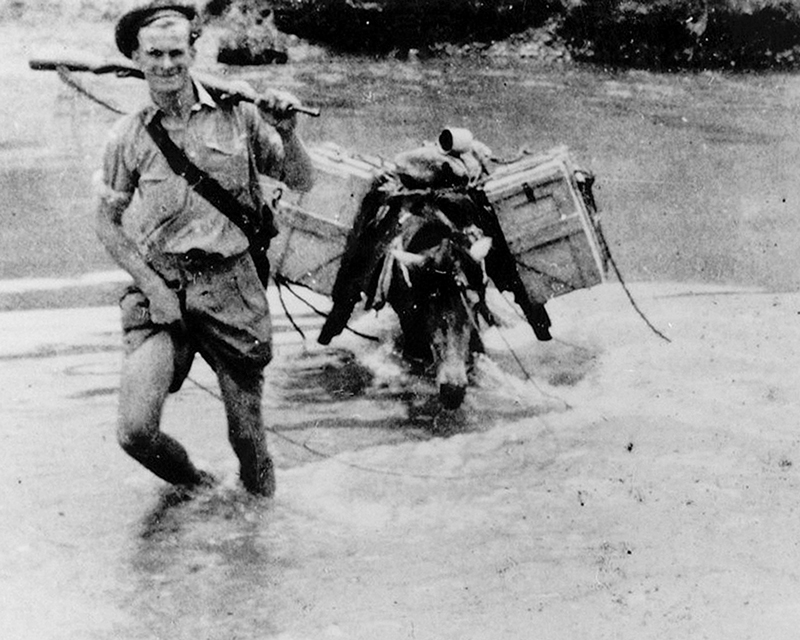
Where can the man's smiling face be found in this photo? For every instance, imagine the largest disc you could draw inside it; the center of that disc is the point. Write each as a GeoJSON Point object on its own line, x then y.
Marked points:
{"type": "Point", "coordinates": [165, 55]}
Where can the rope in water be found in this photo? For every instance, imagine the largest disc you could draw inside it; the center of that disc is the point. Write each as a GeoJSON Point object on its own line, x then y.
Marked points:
{"type": "Point", "coordinates": [328, 456]}
{"type": "Point", "coordinates": [624, 286]}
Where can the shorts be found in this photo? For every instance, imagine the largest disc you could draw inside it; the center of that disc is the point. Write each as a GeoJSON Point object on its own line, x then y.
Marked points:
{"type": "Point", "coordinates": [225, 314]}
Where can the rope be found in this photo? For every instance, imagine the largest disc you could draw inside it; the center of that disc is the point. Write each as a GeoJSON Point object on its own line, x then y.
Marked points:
{"type": "Point", "coordinates": [280, 279]}
{"type": "Point", "coordinates": [69, 79]}
{"type": "Point", "coordinates": [281, 282]}
{"type": "Point", "coordinates": [327, 456]}
{"type": "Point", "coordinates": [279, 285]}
{"type": "Point", "coordinates": [606, 250]}
{"type": "Point", "coordinates": [528, 377]}
{"type": "Point", "coordinates": [618, 273]}
{"type": "Point", "coordinates": [529, 267]}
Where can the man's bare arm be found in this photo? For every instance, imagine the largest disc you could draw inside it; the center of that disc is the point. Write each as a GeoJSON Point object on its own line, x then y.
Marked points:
{"type": "Point", "coordinates": [298, 169]}
{"type": "Point", "coordinates": [279, 108]}
{"type": "Point", "coordinates": [164, 303]}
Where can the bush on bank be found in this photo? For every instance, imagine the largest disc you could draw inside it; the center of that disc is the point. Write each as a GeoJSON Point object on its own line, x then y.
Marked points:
{"type": "Point", "coordinates": [744, 34]}
{"type": "Point", "coordinates": [658, 34]}
{"type": "Point", "coordinates": [386, 25]}
{"type": "Point", "coordinates": [642, 33]}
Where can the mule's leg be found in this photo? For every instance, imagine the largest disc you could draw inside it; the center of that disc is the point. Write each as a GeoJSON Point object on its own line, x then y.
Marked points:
{"type": "Point", "coordinates": [415, 341]}
{"type": "Point", "coordinates": [452, 380]}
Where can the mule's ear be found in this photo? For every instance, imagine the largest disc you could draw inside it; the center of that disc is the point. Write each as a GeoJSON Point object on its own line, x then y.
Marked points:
{"type": "Point", "coordinates": [480, 249]}
{"type": "Point", "coordinates": [407, 258]}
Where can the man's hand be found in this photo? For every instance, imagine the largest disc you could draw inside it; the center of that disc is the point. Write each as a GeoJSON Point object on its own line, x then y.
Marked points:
{"type": "Point", "coordinates": [165, 307]}
{"type": "Point", "coordinates": [280, 109]}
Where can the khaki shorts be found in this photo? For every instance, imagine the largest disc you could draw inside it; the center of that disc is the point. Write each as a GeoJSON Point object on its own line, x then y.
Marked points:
{"type": "Point", "coordinates": [225, 314]}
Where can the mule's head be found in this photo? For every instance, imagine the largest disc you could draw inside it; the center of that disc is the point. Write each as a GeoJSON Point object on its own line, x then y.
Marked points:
{"type": "Point", "coordinates": [438, 280]}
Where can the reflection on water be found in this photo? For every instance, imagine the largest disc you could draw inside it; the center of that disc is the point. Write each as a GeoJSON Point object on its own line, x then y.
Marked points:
{"type": "Point", "coordinates": [696, 181]}
{"type": "Point", "coordinates": [218, 563]}
{"type": "Point", "coordinates": [323, 376]}
{"type": "Point", "coordinates": [213, 560]}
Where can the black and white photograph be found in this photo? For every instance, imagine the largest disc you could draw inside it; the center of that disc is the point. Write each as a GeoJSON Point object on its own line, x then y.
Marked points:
{"type": "Point", "coordinates": [400, 319]}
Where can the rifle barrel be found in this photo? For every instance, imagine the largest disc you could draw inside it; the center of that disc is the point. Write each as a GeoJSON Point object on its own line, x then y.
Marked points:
{"type": "Point", "coordinates": [49, 64]}
{"type": "Point", "coordinates": [123, 69]}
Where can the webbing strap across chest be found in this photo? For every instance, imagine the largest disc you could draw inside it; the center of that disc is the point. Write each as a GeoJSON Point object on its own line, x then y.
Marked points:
{"type": "Point", "coordinates": [203, 184]}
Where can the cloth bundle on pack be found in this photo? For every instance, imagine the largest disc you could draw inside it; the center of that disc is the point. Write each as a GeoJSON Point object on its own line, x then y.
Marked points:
{"type": "Point", "coordinates": [456, 160]}
{"type": "Point", "coordinates": [446, 174]}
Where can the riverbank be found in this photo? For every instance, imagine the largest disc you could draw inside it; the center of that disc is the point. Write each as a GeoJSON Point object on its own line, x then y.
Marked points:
{"type": "Point", "coordinates": [689, 35]}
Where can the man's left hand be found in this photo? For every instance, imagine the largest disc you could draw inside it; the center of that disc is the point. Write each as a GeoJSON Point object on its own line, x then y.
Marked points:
{"type": "Point", "coordinates": [280, 109]}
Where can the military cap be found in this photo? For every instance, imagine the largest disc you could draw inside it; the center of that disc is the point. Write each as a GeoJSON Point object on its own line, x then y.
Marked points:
{"type": "Point", "coordinates": [126, 33]}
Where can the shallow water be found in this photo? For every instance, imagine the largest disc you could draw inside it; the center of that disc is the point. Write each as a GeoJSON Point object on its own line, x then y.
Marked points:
{"type": "Point", "coordinates": [107, 551]}
{"type": "Point", "coordinates": [696, 182]}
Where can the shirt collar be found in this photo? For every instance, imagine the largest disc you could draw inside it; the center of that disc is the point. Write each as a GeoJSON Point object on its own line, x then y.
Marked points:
{"type": "Point", "coordinates": [204, 99]}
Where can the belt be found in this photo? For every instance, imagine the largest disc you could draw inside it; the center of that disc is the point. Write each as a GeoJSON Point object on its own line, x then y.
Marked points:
{"type": "Point", "coordinates": [197, 259]}
{"type": "Point", "coordinates": [176, 266]}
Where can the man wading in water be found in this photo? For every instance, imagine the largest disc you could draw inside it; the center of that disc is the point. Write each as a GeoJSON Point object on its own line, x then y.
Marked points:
{"type": "Point", "coordinates": [196, 288]}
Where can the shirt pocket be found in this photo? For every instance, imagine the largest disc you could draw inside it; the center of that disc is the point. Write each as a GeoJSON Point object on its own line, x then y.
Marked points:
{"type": "Point", "coordinates": [227, 161]}
{"type": "Point", "coordinates": [162, 191]}
{"type": "Point", "coordinates": [154, 177]}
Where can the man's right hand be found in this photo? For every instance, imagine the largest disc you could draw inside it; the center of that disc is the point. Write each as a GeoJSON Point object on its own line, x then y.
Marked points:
{"type": "Point", "coordinates": [165, 306]}
{"type": "Point", "coordinates": [279, 109]}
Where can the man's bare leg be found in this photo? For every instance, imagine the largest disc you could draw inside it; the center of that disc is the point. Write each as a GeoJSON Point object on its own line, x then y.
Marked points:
{"type": "Point", "coordinates": [241, 392]}
{"type": "Point", "coordinates": [146, 378]}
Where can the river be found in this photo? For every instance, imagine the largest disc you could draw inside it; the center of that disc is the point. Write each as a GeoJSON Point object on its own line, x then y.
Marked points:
{"type": "Point", "coordinates": [696, 182]}
{"type": "Point", "coordinates": [695, 172]}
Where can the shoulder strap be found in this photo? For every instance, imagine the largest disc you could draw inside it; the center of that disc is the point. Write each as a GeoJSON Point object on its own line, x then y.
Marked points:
{"type": "Point", "coordinates": [204, 185]}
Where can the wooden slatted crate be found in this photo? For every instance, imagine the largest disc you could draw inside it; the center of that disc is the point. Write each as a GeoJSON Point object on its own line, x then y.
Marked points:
{"type": "Point", "coordinates": [313, 227]}
{"type": "Point", "coordinates": [549, 227]}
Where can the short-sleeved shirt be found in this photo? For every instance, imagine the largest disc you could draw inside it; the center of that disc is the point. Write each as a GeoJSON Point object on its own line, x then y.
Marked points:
{"type": "Point", "coordinates": [230, 142]}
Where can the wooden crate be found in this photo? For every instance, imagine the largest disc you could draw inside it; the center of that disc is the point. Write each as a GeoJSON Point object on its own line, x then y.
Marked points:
{"type": "Point", "coordinates": [551, 231]}
{"type": "Point", "coordinates": [341, 180]}
{"type": "Point", "coordinates": [313, 226]}
{"type": "Point", "coordinates": [308, 248]}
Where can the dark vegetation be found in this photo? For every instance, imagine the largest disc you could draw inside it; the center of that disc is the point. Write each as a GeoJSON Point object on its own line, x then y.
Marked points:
{"type": "Point", "coordinates": [685, 33]}
{"type": "Point", "coordinates": [658, 34]}
{"type": "Point", "coordinates": [655, 34]}
{"type": "Point", "coordinates": [250, 36]}
{"type": "Point", "coordinates": [408, 24]}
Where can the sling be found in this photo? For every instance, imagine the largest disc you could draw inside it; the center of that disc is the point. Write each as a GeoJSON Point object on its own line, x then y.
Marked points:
{"type": "Point", "coordinates": [258, 228]}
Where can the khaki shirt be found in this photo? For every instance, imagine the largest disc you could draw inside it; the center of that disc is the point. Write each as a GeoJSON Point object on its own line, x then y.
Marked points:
{"type": "Point", "coordinates": [231, 143]}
